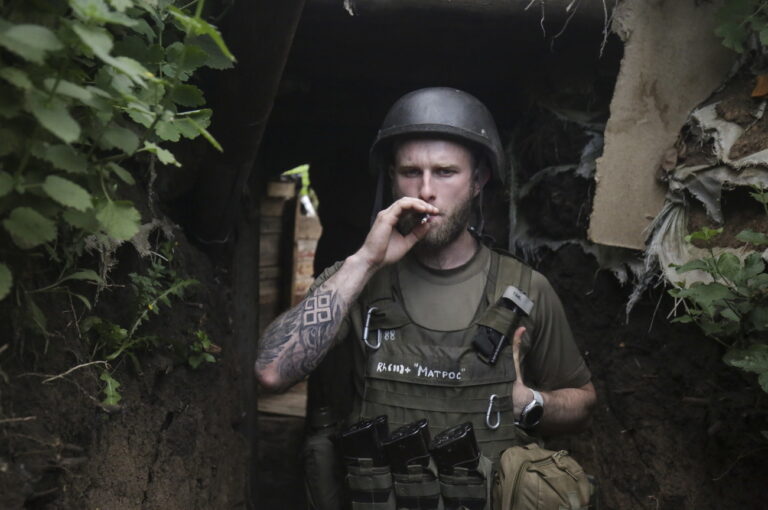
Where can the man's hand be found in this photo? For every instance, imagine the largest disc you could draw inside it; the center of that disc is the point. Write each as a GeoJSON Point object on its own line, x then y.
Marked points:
{"type": "Point", "coordinates": [565, 410]}
{"type": "Point", "coordinates": [384, 244]}
{"type": "Point", "coordinates": [521, 394]}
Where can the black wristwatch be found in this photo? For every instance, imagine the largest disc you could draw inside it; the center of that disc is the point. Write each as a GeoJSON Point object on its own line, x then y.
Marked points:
{"type": "Point", "coordinates": [532, 412]}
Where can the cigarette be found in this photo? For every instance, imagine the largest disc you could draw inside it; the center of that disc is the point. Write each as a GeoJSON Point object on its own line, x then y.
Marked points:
{"type": "Point", "coordinates": [424, 219]}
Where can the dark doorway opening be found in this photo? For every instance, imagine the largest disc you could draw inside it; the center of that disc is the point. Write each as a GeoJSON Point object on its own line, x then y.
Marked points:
{"type": "Point", "coordinates": [341, 77]}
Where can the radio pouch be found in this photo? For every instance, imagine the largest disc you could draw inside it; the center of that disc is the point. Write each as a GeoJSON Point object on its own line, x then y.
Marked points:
{"type": "Point", "coordinates": [370, 486]}
{"type": "Point", "coordinates": [533, 478]}
{"type": "Point", "coordinates": [468, 489]}
{"type": "Point", "coordinates": [418, 489]}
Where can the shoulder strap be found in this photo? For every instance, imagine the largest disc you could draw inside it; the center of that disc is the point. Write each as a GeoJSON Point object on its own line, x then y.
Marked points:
{"type": "Point", "coordinates": [507, 270]}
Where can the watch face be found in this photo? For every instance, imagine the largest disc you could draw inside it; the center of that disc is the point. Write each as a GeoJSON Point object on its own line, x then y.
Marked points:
{"type": "Point", "coordinates": [532, 417]}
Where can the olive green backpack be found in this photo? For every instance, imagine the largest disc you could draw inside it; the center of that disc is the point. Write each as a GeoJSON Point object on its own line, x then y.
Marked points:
{"type": "Point", "coordinates": [533, 478]}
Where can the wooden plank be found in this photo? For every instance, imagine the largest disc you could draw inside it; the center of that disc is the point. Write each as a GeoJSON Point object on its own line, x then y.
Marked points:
{"type": "Point", "coordinates": [308, 227]}
{"type": "Point", "coordinates": [271, 224]}
{"type": "Point", "coordinates": [281, 189]}
{"type": "Point", "coordinates": [291, 403]}
{"type": "Point", "coordinates": [267, 272]}
{"type": "Point", "coordinates": [269, 250]}
{"type": "Point", "coordinates": [273, 206]}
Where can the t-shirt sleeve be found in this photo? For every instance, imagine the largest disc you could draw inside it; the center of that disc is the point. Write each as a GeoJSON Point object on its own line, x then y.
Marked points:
{"type": "Point", "coordinates": [321, 279]}
{"type": "Point", "coordinates": [552, 360]}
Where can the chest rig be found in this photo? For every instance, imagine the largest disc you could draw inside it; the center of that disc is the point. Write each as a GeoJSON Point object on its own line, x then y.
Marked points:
{"type": "Point", "coordinates": [409, 372]}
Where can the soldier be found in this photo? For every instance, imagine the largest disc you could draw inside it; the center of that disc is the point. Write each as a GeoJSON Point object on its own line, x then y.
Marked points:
{"type": "Point", "coordinates": [428, 306]}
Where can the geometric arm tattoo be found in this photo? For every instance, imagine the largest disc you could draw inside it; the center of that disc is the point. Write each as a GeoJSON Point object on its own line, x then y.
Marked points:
{"type": "Point", "coordinates": [299, 338]}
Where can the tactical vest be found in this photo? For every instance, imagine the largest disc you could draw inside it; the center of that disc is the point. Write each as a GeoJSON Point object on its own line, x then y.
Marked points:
{"type": "Point", "coordinates": [411, 372]}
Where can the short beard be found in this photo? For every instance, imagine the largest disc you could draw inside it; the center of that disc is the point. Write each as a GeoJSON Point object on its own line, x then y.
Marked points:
{"type": "Point", "coordinates": [449, 229]}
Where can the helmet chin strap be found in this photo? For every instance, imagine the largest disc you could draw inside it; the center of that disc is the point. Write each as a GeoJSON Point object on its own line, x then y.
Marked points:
{"type": "Point", "coordinates": [378, 199]}
{"type": "Point", "coordinates": [477, 232]}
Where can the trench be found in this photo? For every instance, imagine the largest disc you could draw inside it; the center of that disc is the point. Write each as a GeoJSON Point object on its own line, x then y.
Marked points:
{"type": "Point", "coordinates": [342, 75]}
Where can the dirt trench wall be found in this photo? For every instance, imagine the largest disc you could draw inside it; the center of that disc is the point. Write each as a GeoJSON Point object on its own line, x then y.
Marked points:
{"type": "Point", "coordinates": [174, 441]}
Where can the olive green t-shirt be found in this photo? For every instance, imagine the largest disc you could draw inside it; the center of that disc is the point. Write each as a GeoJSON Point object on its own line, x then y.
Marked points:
{"type": "Point", "coordinates": [448, 300]}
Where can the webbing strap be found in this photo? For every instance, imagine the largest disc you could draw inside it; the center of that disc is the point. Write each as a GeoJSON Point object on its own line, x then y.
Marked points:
{"type": "Point", "coordinates": [438, 404]}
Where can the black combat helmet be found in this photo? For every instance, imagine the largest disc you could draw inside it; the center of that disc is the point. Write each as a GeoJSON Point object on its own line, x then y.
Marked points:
{"type": "Point", "coordinates": [445, 112]}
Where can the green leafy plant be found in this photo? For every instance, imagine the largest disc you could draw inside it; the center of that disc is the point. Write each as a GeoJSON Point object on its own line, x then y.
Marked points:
{"type": "Point", "coordinates": [201, 350]}
{"type": "Point", "coordinates": [91, 90]}
{"type": "Point", "coordinates": [732, 308]}
{"type": "Point", "coordinates": [154, 291]}
{"type": "Point", "coordinates": [737, 19]}
{"type": "Point", "coordinates": [91, 94]}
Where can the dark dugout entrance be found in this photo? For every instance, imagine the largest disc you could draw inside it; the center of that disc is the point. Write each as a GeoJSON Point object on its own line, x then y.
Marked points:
{"type": "Point", "coordinates": [350, 61]}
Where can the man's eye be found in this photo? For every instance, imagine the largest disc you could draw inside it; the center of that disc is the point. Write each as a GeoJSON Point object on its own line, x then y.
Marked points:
{"type": "Point", "coordinates": [410, 172]}
{"type": "Point", "coordinates": [446, 172]}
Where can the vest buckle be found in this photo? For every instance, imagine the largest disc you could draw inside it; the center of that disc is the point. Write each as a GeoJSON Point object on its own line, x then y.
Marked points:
{"type": "Point", "coordinates": [497, 423]}
{"type": "Point", "coordinates": [366, 330]}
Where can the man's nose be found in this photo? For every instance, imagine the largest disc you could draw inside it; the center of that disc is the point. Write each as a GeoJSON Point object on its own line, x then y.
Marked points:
{"type": "Point", "coordinates": [426, 190]}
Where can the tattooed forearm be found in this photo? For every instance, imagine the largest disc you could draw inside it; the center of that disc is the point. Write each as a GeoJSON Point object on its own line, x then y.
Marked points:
{"type": "Point", "coordinates": [295, 343]}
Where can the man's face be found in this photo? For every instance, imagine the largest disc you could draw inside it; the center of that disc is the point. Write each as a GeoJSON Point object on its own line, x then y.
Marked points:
{"type": "Point", "coordinates": [440, 173]}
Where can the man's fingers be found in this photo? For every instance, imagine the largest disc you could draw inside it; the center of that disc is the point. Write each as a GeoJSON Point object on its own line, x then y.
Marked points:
{"type": "Point", "coordinates": [516, 341]}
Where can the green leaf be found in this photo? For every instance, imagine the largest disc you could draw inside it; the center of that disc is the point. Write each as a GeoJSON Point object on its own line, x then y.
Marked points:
{"type": "Point", "coordinates": [693, 265]}
{"type": "Point", "coordinates": [183, 58]}
{"type": "Point", "coordinates": [6, 281]}
{"type": "Point", "coordinates": [752, 359]}
{"type": "Point", "coordinates": [16, 77]}
{"type": "Point", "coordinates": [753, 266]}
{"type": "Point", "coordinates": [187, 95]}
{"type": "Point", "coordinates": [84, 274]}
{"type": "Point", "coordinates": [29, 228]}
{"type": "Point", "coordinates": [206, 134]}
{"type": "Point", "coordinates": [198, 26]}
{"type": "Point", "coordinates": [53, 115]}
{"type": "Point", "coordinates": [139, 113]}
{"type": "Point", "coordinates": [96, 11]}
{"type": "Point", "coordinates": [63, 157]}
{"type": "Point", "coordinates": [169, 130]}
{"type": "Point", "coordinates": [69, 89]}
{"type": "Point", "coordinates": [729, 266]}
{"type": "Point", "coordinates": [82, 298]}
{"type": "Point", "coordinates": [121, 5]}
{"type": "Point", "coordinates": [67, 193]}
{"type": "Point", "coordinates": [142, 27]}
{"type": "Point", "coordinates": [705, 234]}
{"type": "Point", "coordinates": [83, 220]}
{"type": "Point", "coordinates": [30, 42]}
{"type": "Point", "coordinates": [729, 314]}
{"type": "Point", "coordinates": [120, 220]}
{"type": "Point", "coordinates": [6, 183]}
{"type": "Point", "coordinates": [165, 156]}
{"type": "Point", "coordinates": [123, 174]}
{"type": "Point", "coordinates": [683, 319]}
{"type": "Point", "coordinates": [707, 295]}
{"type": "Point", "coordinates": [99, 41]}
{"type": "Point", "coordinates": [112, 396]}
{"type": "Point", "coordinates": [121, 138]}
{"type": "Point", "coordinates": [752, 237]}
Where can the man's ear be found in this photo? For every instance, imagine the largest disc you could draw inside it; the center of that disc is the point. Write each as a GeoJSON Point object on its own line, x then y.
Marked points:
{"type": "Point", "coordinates": [482, 175]}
